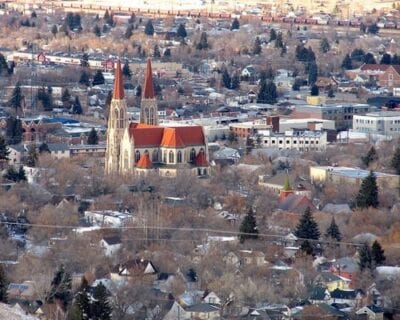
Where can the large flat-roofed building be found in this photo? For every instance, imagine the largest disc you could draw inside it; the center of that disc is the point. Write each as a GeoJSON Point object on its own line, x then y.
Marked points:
{"type": "Point", "coordinates": [306, 123]}
{"type": "Point", "coordinates": [383, 123]}
{"type": "Point", "coordinates": [347, 175]}
{"type": "Point", "coordinates": [295, 140]}
{"type": "Point", "coordinates": [342, 114]}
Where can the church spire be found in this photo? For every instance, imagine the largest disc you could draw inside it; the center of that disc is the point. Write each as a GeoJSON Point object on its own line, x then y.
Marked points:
{"type": "Point", "coordinates": [118, 92]}
{"type": "Point", "coordinates": [148, 90]}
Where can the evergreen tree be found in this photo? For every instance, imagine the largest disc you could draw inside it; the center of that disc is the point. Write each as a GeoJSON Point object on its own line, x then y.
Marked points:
{"type": "Point", "coordinates": [377, 254]}
{"type": "Point", "coordinates": [98, 78]}
{"type": "Point", "coordinates": [101, 308]}
{"type": "Point", "coordinates": [279, 41]}
{"type": "Point", "coordinates": [149, 29]}
{"type": "Point", "coordinates": [16, 98]}
{"type": "Point", "coordinates": [21, 176]}
{"type": "Point", "coordinates": [307, 227]}
{"type": "Point", "coordinates": [3, 285]}
{"type": "Point", "coordinates": [365, 258]}
{"type": "Point", "coordinates": [76, 106]}
{"type": "Point", "coordinates": [126, 71]}
{"type": "Point", "coordinates": [132, 19]}
{"type": "Point", "coordinates": [82, 305]}
{"type": "Point", "coordinates": [54, 30]}
{"type": "Point", "coordinates": [347, 63]}
{"type": "Point", "coordinates": [97, 30]}
{"type": "Point", "coordinates": [395, 162]}
{"type": "Point", "coordinates": [93, 137]}
{"type": "Point", "coordinates": [257, 46]}
{"type": "Point", "coordinates": [167, 53]}
{"type": "Point", "coordinates": [324, 45]}
{"type": "Point", "coordinates": [226, 79]}
{"type": "Point", "coordinates": [83, 80]}
{"type": "Point", "coordinates": [386, 59]}
{"type": "Point", "coordinates": [4, 152]}
{"type": "Point", "coordinates": [129, 31]}
{"type": "Point", "coordinates": [331, 93]}
{"type": "Point", "coordinates": [358, 55]}
{"type": "Point", "coordinates": [235, 81]}
{"type": "Point", "coordinates": [14, 131]}
{"type": "Point", "coordinates": [32, 156]}
{"type": "Point", "coordinates": [60, 287]}
{"type": "Point", "coordinates": [43, 147]}
{"type": "Point", "coordinates": [272, 35]}
{"type": "Point", "coordinates": [267, 92]}
{"type": "Point", "coordinates": [369, 157]}
{"type": "Point", "coordinates": [307, 247]}
{"type": "Point", "coordinates": [66, 98]}
{"type": "Point", "coordinates": [373, 28]}
{"type": "Point", "coordinates": [369, 58]}
{"type": "Point", "coordinates": [203, 43]}
{"type": "Point", "coordinates": [45, 98]}
{"type": "Point", "coordinates": [297, 84]}
{"type": "Point", "coordinates": [312, 73]}
{"type": "Point", "coordinates": [248, 228]}
{"type": "Point", "coordinates": [395, 59]}
{"type": "Point", "coordinates": [314, 90]}
{"type": "Point", "coordinates": [368, 194]}
{"type": "Point", "coordinates": [156, 52]}
{"type": "Point", "coordinates": [235, 24]}
{"type": "Point", "coordinates": [333, 231]}
{"type": "Point", "coordinates": [181, 32]}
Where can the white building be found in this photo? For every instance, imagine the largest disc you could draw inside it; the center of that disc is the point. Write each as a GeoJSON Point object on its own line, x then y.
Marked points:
{"type": "Point", "coordinates": [108, 218]}
{"type": "Point", "coordinates": [295, 140]}
{"type": "Point", "coordinates": [306, 124]}
{"type": "Point", "coordinates": [383, 123]}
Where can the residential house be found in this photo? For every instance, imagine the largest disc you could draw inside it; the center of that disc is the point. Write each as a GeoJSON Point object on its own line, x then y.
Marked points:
{"type": "Point", "coordinates": [108, 218]}
{"type": "Point", "coordinates": [111, 245]}
{"type": "Point", "coordinates": [296, 203]}
{"type": "Point", "coordinates": [319, 311]}
{"type": "Point", "coordinates": [384, 75]}
{"type": "Point", "coordinates": [249, 73]}
{"type": "Point", "coordinates": [212, 298]}
{"type": "Point", "coordinates": [370, 312]}
{"type": "Point", "coordinates": [318, 295]}
{"type": "Point", "coordinates": [197, 311]}
{"type": "Point", "coordinates": [135, 268]}
{"type": "Point", "coordinates": [24, 291]}
{"type": "Point", "coordinates": [331, 281]}
{"type": "Point", "coordinates": [347, 267]}
{"type": "Point", "coordinates": [276, 183]}
{"type": "Point", "coordinates": [351, 297]}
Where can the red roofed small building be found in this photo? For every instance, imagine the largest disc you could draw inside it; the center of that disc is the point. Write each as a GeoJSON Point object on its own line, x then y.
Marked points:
{"type": "Point", "coordinates": [141, 148]}
{"type": "Point", "coordinates": [384, 75]}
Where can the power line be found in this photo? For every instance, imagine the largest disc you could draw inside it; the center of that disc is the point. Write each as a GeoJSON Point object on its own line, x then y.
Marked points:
{"type": "Point", "coordinates": [184, 229]}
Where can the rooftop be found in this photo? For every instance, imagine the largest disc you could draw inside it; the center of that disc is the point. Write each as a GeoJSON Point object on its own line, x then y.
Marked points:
{"type": "Point", "coordinates": [353, 172]}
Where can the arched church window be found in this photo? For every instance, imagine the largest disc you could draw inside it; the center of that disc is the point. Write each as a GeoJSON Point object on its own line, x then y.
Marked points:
{"type": "Point", "coordinates": [165, 157]}
{"type": "Point", "coordinates": [115, 122]}
{"type": "Point", "coordinates": [154, 157]}
{"type": "Point", "coordinates": [137, 156]}
{"type": "Point", "coordinates": [171, 157]}
{"type": "Point", "coordinates": [192, 155]}
{"type": "Point", "coordinates": [179, 157]}
{"type": "Point", "coordinates": [151, 117]}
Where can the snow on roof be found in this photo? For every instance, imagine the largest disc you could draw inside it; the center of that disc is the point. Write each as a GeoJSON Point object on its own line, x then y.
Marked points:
{"type": "Point", "coordinates": [14, 313]}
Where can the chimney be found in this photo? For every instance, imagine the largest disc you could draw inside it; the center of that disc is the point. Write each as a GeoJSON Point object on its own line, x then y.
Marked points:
{"type": "Point", "coordinates": [274, 122]}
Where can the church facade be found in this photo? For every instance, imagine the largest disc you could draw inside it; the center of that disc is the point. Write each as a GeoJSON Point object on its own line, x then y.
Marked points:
{"type": "Point", "coordinates": [145, 147]}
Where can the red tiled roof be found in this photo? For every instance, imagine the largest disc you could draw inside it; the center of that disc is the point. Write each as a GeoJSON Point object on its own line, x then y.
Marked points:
{"type": "Point", "coordinates": [148, 90]}
{"type": "Point", "coordinates": [144, 162]}
{"type": "Point", "coordinates": [201, 160]}
{"type": "Point", "coordinates": [176, 137]}
{"type": "Point", "coordinates": [171, 138]}
{"type": "Point", "coordinates": [118, 91]}
{"type": "Point", "coordinates": [145, 136]}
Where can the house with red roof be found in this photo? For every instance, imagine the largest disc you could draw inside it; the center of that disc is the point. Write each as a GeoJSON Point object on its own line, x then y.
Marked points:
{"type": "Point", "coordinates": [145, 147]}
{"type": "Point", "coordinates": [384, 75]}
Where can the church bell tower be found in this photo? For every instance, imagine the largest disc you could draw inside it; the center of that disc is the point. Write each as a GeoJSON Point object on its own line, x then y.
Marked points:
{"type": "Point", "coordinates": [148, 108]}
{"type": "Point", "coordinates": [117, 123]}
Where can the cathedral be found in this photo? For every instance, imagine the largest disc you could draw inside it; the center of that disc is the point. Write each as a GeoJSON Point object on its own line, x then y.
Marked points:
{"type": "Point", "coordinates": [144, 147]}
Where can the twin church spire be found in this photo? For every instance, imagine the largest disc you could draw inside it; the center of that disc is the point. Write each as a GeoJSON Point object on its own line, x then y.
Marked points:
{"type": "Point", "coordinates": [118, 117]}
